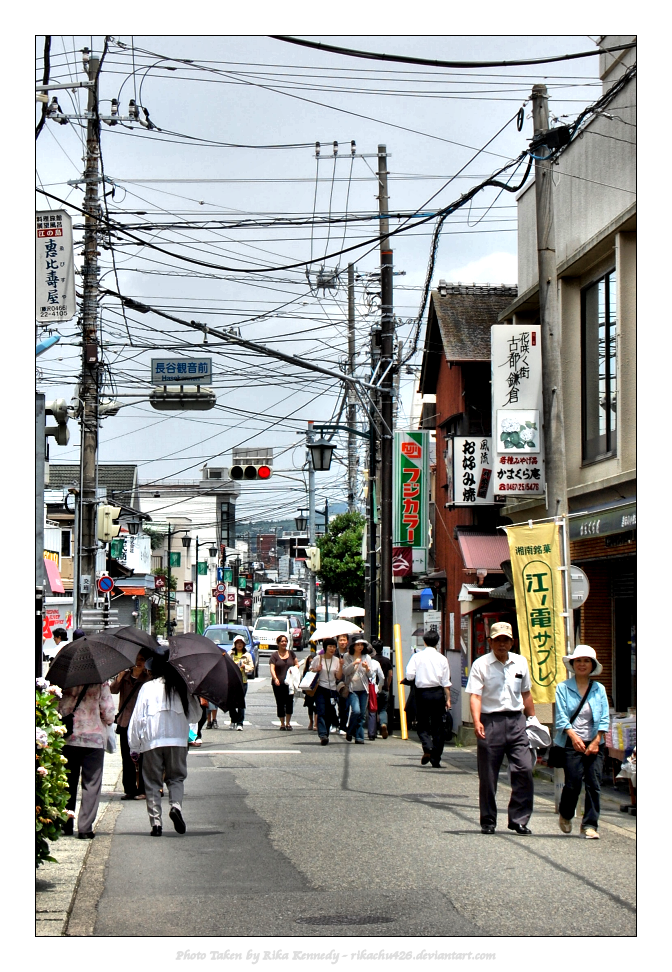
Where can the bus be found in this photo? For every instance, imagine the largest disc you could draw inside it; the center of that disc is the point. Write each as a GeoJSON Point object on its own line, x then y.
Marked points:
{"type": "Point", "coordinates": [277, 599]}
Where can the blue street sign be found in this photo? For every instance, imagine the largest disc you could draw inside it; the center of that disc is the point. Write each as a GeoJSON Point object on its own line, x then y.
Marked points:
{"type": "Point", "coordinates": [221, 598]}
{"type": "Point", "coordinates": [220, 573]}
{"type": "Point", "coordinates": [105, 584]}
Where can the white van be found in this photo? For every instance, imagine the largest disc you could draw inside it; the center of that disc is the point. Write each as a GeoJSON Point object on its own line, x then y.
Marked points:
{"type": "Point", "coordinates": [267, 630]}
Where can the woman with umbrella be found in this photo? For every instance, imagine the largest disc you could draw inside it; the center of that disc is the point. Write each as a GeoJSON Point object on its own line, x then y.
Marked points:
{"type": "Point", "coordinates": [127, 685]}
{"type": "Point", "coordinates": [329, 668]}
{"type": "Point", "coordinates": [159, 729]}
{"type": "Point", "coordinates": [92, 708]}
{"type": "Point", "coordinates": [356, 675]}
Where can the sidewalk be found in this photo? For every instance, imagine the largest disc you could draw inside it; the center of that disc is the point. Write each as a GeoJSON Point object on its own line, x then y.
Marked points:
{"type": "Point", "coordinates": [56, 884]}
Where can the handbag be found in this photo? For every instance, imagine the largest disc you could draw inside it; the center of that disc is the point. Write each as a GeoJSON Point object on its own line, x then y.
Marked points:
{"type": "Point", "coordinates": [69, 720]}
{"type": "Point", "coordinates": [447, 726]}
{"type": "Point", "coordinates": [373, 698]}
{"type": "Point", "coordinates": [309, 683]}
{"type": "Point", "coordinates": [111, 741]}
{"type": "Point", "coordinates": [343, 690]}
{"type": "Point", "coordinates": [556, 754]}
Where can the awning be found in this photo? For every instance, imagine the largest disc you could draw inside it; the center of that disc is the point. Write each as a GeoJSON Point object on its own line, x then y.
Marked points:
{"type": "Point", "coordinates": [54, 576]}
{"type": "Point", "coordinates": [605, 520]}
{"type": "Point", "coordinates": [483, 551]}
{"type": "Point", "coordinates": [132, 591]}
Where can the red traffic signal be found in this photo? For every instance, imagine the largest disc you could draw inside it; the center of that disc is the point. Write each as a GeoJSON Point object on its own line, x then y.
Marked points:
{"type": "Point", "coordinates": [250, 472]}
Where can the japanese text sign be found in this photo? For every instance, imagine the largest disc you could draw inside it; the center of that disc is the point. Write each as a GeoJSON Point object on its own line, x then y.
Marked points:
{"type": "Point", "coordinates": [472, 477]}
{"type": "Point", "coordinates": [411, 485]}
{"type": "Point", "coordinates": [181, 371]}
{"type": "Point", "coordinates": [538, 587]}
{"type": "Point", "coordinates": [517, 408]}
{"type": "Point", "coordinates": [54, 267]}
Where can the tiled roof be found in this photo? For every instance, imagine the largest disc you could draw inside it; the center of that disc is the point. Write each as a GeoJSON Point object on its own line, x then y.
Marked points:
{"type": "Point", "coordinates": [465, 313]}
{"type": "Point", "coordinates": [119, 479]}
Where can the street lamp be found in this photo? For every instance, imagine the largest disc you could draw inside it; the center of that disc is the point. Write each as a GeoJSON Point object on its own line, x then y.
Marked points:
{"type": "Point", "coordinates": [186, 542]}
{"type": "Point", "coordinates": [301, 522]}
{"type": "Point", "coordinates": [213, 551]}
{"type": "Point", "coordinates": [321, 452]}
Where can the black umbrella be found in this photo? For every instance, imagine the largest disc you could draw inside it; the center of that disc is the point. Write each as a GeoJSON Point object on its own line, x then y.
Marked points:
{"type": "Point", "coordinates": [137, 637]}
{"type": "Point", "coordinates": [207, 670]}
{"type": "Point", "coordinates": [91, 660]}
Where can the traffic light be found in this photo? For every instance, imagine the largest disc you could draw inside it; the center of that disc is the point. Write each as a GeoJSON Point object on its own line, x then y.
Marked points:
{"type": "Point", "coordinates": [59, 409]}
{"type": "Point", "coordinates": [107, 528]}
{"type": "Point", "coordinates": [313, 558]}
{"type": "Point", "coordinates": [250, 472]}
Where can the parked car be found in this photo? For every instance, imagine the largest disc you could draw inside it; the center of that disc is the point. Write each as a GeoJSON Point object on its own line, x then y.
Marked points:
{"type": "Point", "coordinates": [223, 635]}
{"type": "Point", "coordinates": [266, 631]}
{"type": "Point", "coordinates": [298, 624]}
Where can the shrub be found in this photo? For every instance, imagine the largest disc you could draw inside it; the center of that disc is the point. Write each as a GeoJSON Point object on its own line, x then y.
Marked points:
{"type": "Point", "coordinates": [51, 784]}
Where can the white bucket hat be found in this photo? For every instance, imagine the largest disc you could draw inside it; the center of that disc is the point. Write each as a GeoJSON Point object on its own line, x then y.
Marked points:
{"type": "Point", "coordinates": [582, 651]}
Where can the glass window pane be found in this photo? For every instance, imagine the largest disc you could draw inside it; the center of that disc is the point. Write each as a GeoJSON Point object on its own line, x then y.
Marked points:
{"type": "Point", "coordinates": [599, 368]}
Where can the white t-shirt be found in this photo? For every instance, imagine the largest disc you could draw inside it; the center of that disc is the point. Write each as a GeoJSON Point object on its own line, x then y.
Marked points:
{"type": "Point", "coordinates": [328, 672]}
{"type": "Point", "coordinates": [429, 669]}
{"type": "Point", "coordinates": [500, 684]}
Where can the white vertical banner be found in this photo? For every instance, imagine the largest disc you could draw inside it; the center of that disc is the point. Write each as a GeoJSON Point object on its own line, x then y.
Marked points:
{"type": "Point", "coordinates": [517, 410]}
{"type": "Point", "coordinates": [54, 267]}
{"type": "Point", "coordinates": [472, 477]}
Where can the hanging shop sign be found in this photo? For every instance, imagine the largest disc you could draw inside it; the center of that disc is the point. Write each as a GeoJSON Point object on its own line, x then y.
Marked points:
{"type": "Point", "coordinates": [54, 267]}
{"type": "Point", "coordinates": [517, 410]}
{"type": "Point", "coordinates": [181, 371]}
{"type": "Point", "coordinates": [411, 495]}
{"type": "Point", "coordinates": [472, 474]}
{"type": "Point", "coordinates": [134, 552]}
{"type": "Point", "coordinates": [538, 586]}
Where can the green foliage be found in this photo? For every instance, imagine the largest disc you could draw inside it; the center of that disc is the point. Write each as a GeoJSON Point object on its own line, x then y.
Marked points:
{"type": "Point", "coordinates": [157, 537]}
{"type": "Point", "coordinates": [51, 784]}
{"type": "Point", "coordinates": [342, 567]}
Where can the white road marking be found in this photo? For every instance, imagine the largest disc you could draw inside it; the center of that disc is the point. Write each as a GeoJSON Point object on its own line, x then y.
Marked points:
{"type": "Point", "coordinates": [247, 752]}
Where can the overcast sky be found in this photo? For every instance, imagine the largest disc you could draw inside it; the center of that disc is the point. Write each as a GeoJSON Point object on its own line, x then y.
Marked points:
{"type": "Point", "coordinates": [258, 92]}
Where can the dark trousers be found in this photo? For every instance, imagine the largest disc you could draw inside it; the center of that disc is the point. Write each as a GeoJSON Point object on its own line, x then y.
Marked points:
{"type": "Point", "coordinates": [131, 778]}
{"type": "Point", "coordinates": [238, 715]}
{"type": "Point", "coordinates": [430, 706]}
{"type": "Point", "coordinates": [88, 763]}
{"type": "Point", "coordinates": [283, 700]}
{"type": "Point", "coordinates": [202, 720]}
{"type": "Point", "coordinates": [505, 736]}
{"type": "Point", "coordinates": [327, 714]}
{"type": "Point", "coordinates": [586, 770]}
{"type": "Point", "coordinates": [343, 711]}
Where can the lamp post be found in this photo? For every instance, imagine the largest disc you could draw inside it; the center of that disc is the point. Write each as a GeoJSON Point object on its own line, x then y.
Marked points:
{"type": "Point", "coordinates": [171, 534]}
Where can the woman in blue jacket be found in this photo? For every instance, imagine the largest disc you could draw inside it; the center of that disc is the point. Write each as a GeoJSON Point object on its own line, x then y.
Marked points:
{"type": "Point", "coordinates": [582, 735]}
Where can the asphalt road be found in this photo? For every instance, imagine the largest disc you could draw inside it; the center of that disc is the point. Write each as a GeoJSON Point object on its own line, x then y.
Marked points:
{"type": "Point", "coordinates": [289, 838]}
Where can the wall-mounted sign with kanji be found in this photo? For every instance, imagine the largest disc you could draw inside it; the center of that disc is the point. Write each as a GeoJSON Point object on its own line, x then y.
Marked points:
{"type": "Point", "coordinates": [411, 486]}
{"type": "Point", "coordinates": [517, 410]}
{"type": "Point", "coordinates": [538, 586]}
{"type": "Point", "coordinates": [55, 267]}
{"type": "Point", "coordinates": [181, 371]}
{"type": "Point", "coordinates": [159, 581]}
{"type": "Point", "coordinates": [472, 478]}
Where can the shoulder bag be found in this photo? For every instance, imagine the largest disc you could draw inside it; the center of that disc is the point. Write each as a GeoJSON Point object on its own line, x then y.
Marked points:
{"type": "Point", "coordinates": [69, 720]}
{"type": "Point", "coordinates": [556, 754]}
{"type": "Point", "coordinates": [117, 727]}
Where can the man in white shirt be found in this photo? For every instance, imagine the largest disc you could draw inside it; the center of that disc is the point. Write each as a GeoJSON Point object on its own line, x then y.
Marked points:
{"type": "Point", "coordinates": [499, 685]}
{"type": "Point", "coordinates": [431, 674]}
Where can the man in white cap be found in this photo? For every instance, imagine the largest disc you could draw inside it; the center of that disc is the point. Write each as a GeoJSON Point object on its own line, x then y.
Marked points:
{"type": "Point", "coordinates": [499, 686]}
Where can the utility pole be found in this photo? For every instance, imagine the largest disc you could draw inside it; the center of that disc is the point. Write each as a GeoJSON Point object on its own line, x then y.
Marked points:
{"type": "Point", "coordinates": [40, 449]}
{"type": "Point", "coordinates": [386, 403]}
{"type": "Point", "coordinates": [352, 397]}
{"type": "Point", "coordinates": [312, 588]}
{"type": "Point", "coordinates": [89, 383]}
{"type": "Point", "coordinates": [551, 327]}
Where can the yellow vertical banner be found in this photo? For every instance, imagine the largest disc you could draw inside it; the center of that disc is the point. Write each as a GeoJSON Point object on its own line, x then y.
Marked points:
{"type": "Point", "coordinates": [538, 586]}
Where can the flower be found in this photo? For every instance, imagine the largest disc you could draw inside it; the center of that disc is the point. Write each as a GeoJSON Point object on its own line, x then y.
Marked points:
{"type": "Point", "coordinates": [42, 683]}
{"type": "Point", "coordinates": [70, 813]}
{"type": "Point", "coordinates": [55, 690]}
{"type": "Point", "coordinates": [41, 738]}
{"type": "Point", "coordinates": [59, 730]}
{"type": "Point", "coordinates": [43, 771]}
{"type": "Point", "coordinates": [508, 425]}
{"type": "Point", "coordinates": [527, 435]}
{"type": "Point", "coordinates": [63, 759]}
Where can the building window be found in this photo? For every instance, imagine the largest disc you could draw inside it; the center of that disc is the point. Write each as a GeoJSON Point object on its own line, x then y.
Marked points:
{"type": "Point", "coordinates": [66, 549]}
{"type": "Point", "coordinates": [598, 331]}
{"type": "Point", "coordinates": [157, 562]}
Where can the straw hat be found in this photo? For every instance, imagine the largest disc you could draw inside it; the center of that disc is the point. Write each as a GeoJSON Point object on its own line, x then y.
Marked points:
{"type": "Point", "coordinates": [582, 651]}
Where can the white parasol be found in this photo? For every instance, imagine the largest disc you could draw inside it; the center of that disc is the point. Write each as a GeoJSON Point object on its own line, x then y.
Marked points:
{"type": "Point", "coordinates": [352, 612]}
{"type": "Point", "coordinates": [332, 629]}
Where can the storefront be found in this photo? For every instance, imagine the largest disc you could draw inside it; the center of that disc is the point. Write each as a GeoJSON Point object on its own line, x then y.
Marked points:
{"type": "Point", "coordinates": [603, 542]}
{"type": "Point", "coordinates": [479, 610]}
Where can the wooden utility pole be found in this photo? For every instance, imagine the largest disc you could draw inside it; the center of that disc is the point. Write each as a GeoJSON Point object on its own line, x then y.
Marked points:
{"type": "Point", "coordinates": [90, 367]}
{"type": "Point", "coordinates": [551, 327]}
{"type": "Point", "coordinates": [386, 403]}
{"type": "Point", "coordinates": [352, 397]}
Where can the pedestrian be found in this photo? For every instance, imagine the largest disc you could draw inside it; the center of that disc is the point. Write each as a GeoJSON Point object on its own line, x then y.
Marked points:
{"type": "Point", "coordinates": [499, 685]}
{"type": "Point", "coordinates": [384, 692]}
{"type": "Point", "coordinates": [78, 633]}
{"type": "Point", "coordinates": [330, 668]}
{"type": "Point", "coordinates": [243, 659]}
{"type": "Point", "coordinates": [60, 638]}
{"type": "Point", "coordinates": [198, 738]}
{"type": "Point", "coordinates": [279, 662]}
{"type": "Point", "coordinates": [127, 685]}
{"type": "Point", "coordinates": [356, 671]}
{"type": "Point", "coordinates": [309, 700]}
{"type": "Point", "coordinates": [343, 701]}
{"type": "Point", "coordinates": [84, 750]}
{"type": "Point", "coordinates": [429, 672]}
{"type": "Point", "coordinates": [376, 682]}
{"type": "Point", "coordinates": [159, 729]}
{"type": "Point", "coordinates": [211, 716]}
{"type": "Point", "coordinates": [581, 720]}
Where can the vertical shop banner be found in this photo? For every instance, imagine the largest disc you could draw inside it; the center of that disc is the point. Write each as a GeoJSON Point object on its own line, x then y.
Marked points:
{"type": "Point", "coordinates": [411, 494]}
{"type": "Point", "coordinates": [54, 267]}
{"type": "Point", "coordinates": [517, 410]}
{"type": "Point", "coordinates": [538, 587]}
{"type": "Point", "coordinates": [472, 471]}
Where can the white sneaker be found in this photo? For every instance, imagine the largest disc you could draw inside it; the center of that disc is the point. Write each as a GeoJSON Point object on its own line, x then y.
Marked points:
{"type": "Point", "coordinates": [341, 732]}
{"type": "Point", "coordinates": [239, 728]}
{"type": "Point", "coordinates": [565, 825]}
{"type": "Point", "coordinates": [590, 833]}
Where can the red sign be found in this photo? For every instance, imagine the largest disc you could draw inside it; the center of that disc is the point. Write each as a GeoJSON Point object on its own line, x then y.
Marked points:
{"type": "Point", "coordinates": [46, 233]}
{"type": "Point", "coordinates": [221, 588]}
{"type": "Point", "coordinates": [246, 602]}
{"type": "Point", "coordinates": [411, 449]}
{"type": "Point", "coordinates": [402, 561]}
{"type": "Point", "coordinates": [159, 582]}
{"type": "Point", "coordinates": [188, 587]}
